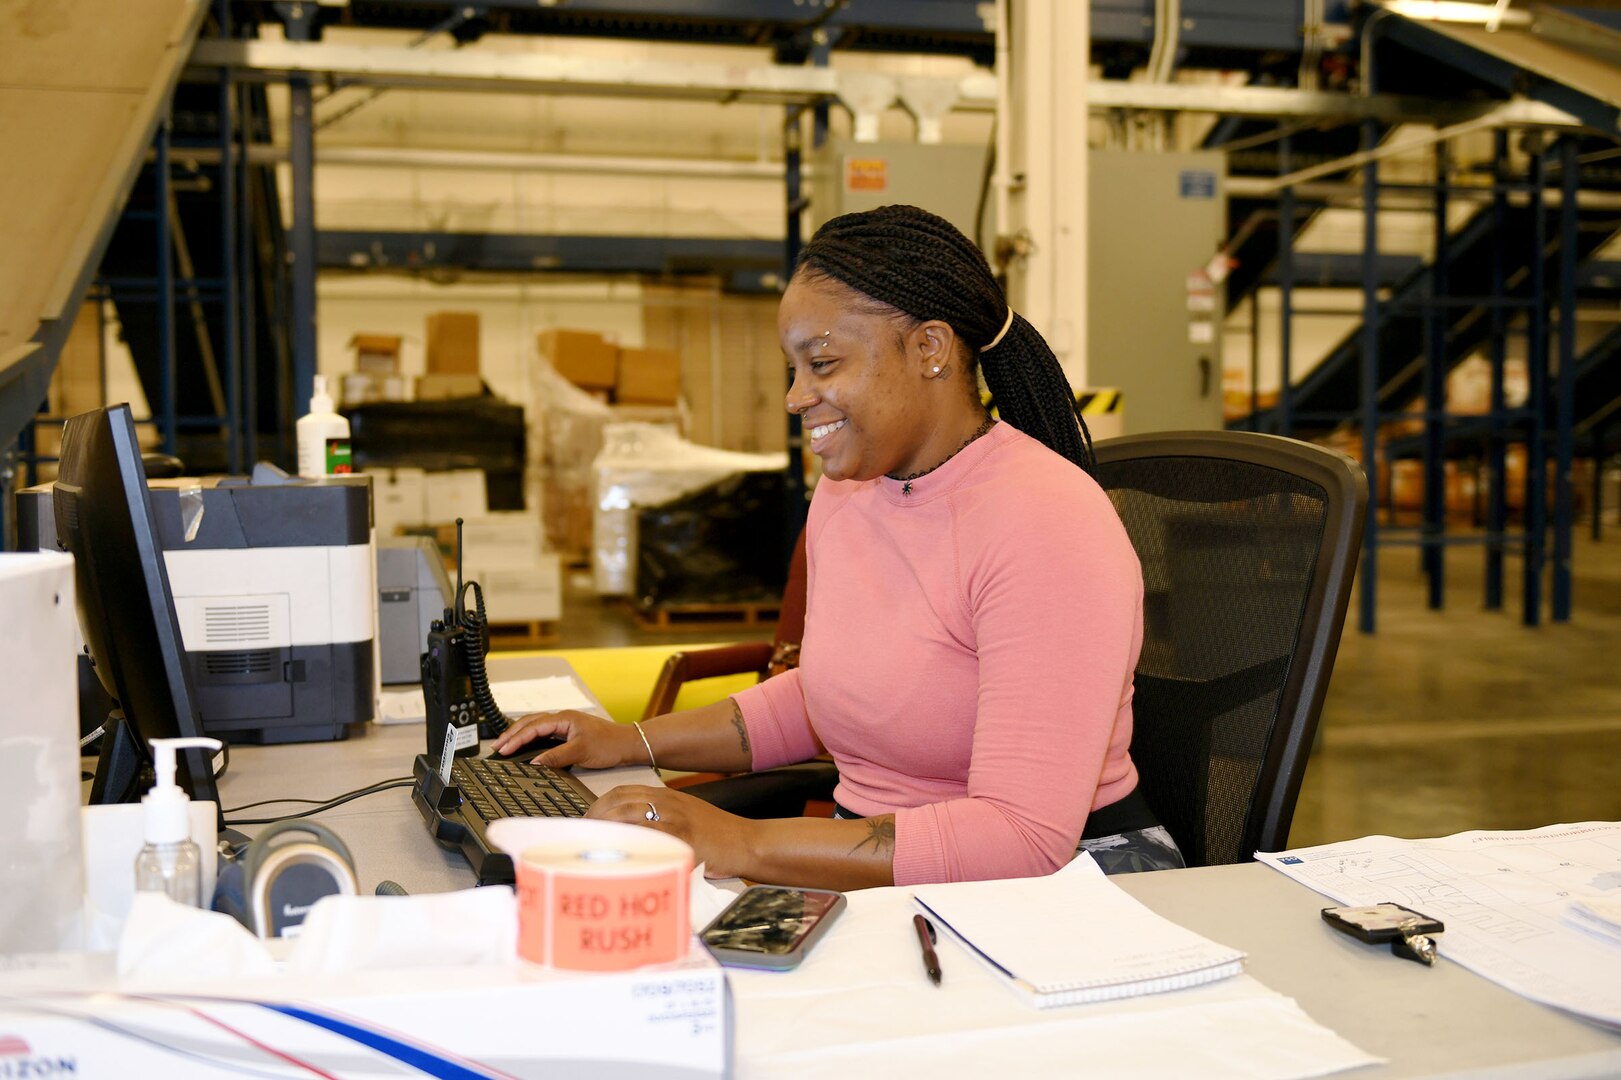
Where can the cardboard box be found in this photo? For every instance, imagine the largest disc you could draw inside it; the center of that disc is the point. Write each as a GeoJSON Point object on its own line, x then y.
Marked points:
{"type": "Point", "coordinates": [358, 388]}
{"type": "Point", "coordinates": [512, 594]}
{"type": "Point", "coordinates": [455, 493]}
{"type": "Point", "coordinates": [399, 500]}
{"type": "Point", "coordinates": [507, 538]}
{"type": "Point", "coordinates": [377, 354]}
{"type": "Point", "coordinates": [444, 387]}
{"type": "Point", "coordinates": [452, 346]}
{"type": "Point", "coordinates": [661, 1022]}
{"type": "Point", "coordinates": [583, 358]}
{"type": "Point", "coordinates": [648, 377]}
{"type": "Point", "coordinates": [569, 515]}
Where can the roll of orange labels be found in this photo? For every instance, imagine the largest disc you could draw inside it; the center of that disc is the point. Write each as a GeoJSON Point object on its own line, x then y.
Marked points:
{"type": "Point", "coordinates": [597, 895]}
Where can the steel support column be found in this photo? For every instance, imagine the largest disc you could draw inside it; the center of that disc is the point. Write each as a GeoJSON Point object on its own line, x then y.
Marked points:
{"type": "Point", "coordinates": [248, 367]}
{"type": "Point", "coordinates": [301, 144]}
{"type": "Point", "coordinates": [232, 341]}
{"type": "Point", "coordinates": [1565, 389]}
{"type": "Point", "coordinates": [166, 357]}
{"type": "Point", "coordinates": [1496, 447]}
{"type": "Point", "coordinates": [1598, 481]}
{"type": "Point", "coordinates": [793, 185]}
{"type": "Point", "coordinates": [1370, 375]}
{"type": "Point", "coordinates": [1255, 359]}
{"type": "Point", "coordinates": [1536, 459]}
{"type": "Point", "coordinates": [1286, 292]}
{"type": "Point", "coordinates": [1437, 319]}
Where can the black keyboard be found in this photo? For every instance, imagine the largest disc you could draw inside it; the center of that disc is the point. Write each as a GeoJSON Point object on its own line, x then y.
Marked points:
{"type": "Point", "coordinates": [498, 789]}
{"type": "Point", "coordinates": [482, 790]}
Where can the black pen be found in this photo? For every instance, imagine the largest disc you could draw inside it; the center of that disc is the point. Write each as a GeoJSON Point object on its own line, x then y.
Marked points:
{"type": "Point", "coordinates": [926, 939]}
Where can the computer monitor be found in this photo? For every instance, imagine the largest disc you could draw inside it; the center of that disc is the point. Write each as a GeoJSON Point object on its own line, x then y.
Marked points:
{"type": "Point", "coordinates": [126, 609]}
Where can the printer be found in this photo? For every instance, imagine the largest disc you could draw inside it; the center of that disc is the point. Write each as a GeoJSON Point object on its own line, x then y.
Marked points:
{"type": "Point", "coordinates": [275, 588]}
{"type": "Point", "coordinates": [412, 591]}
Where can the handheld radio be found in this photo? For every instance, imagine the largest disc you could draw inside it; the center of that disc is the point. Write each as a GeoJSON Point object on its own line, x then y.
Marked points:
{"type": "Point", "coordinates": [455, 687]}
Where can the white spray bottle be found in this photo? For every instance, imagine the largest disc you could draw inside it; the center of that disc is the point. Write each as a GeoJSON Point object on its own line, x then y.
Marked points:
{"type": "Point", "coordinates": [170, 861]}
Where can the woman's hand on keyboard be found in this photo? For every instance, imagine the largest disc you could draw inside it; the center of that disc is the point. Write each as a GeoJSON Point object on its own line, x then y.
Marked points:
{"type": "Point", "coordinates": [589, 741]}
{"type": "Point", "coordinates": [721, 840]}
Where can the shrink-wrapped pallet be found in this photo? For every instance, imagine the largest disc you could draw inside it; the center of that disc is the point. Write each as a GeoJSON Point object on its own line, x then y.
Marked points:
{"type": "Point", "coordinates": [644, 465]}
{"type": "Point", "coordinates": [565, 437]}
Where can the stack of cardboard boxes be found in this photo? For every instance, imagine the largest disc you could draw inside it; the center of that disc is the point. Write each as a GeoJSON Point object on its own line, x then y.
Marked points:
{"type": "Point", "coordinates": [452, 356]}
{"type": "Point", "coordinates": [377, 370]}
{"type": "Point", "coordinates": [584, 383]}
{"type": "Point", "coordinates": [503, 551]}
{"type": "Point", "coordinates": [611, 374]}
{"type": "Point", "coordinates": [521, 582]}
{"type": "Point", "coordinates": [451, 352]}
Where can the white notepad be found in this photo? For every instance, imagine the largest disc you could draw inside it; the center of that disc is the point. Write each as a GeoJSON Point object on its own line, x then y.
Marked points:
{"type": "Point", "coordinates": [1075, 937]}
{"type": "Point", "coordinates": [516, 697]}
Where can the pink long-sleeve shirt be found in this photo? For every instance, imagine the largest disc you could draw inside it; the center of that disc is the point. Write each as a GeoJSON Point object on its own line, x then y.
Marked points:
{"type": "Point", "coordinates": [967, 659]}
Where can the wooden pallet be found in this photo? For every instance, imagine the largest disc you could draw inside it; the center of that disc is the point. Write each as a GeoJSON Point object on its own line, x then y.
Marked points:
{"type": "Point", "coordinates": [535, 634]}
{"type": "Point", "coordinates": [705, 616]}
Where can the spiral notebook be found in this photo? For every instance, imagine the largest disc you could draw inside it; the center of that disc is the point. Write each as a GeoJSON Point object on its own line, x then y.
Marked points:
{"type": "Point", "coordinates": [1075, 937]}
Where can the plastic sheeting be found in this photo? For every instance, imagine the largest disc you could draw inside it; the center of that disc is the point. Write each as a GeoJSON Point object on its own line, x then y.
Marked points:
{"type": "Point", "coordinates": [722, 544]}
{"type": "Point", "coordinates": [565, 436]}
{"type": "Point", "coordinates": [644, 465]}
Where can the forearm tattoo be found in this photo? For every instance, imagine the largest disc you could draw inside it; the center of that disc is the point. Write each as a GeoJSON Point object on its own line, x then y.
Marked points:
{"type": "Point", "coordinates": [737, 722]}
{"type": "Point", "coordinates": [880, 835]}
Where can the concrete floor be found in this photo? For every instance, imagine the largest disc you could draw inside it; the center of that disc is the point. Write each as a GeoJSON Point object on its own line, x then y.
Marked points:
{"type": "Point", "coordinates": [1439, 722]}
{"type": "Point", "coordinates": [1466, 719]}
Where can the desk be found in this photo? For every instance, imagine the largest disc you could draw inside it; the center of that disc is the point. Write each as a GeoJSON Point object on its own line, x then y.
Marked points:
{"type": "Point", "coordinates": [384, 832]}
{"type": "Point", "coordinates": [1443, 1021]}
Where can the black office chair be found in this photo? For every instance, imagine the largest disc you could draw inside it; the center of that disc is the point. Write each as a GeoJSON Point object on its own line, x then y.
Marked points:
{"type": "Point", "coordinates": [1248, 546]}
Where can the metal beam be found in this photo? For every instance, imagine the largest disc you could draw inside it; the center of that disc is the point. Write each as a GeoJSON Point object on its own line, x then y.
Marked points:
{"type": "Point", "coordinates": [1512, 114]}
{"type": "Point", "coordinates": [750, 265]}
{"type": "Point", "coordinates": [1277, 102]}
{"type": "Point", "coordinates": [402, 157]}
{"type": "Point", "coordinates": [482, 70]}
{"type": "Point", "coordinates": [479, 70]}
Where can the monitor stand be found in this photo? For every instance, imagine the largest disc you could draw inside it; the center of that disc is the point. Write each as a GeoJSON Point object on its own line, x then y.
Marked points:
{"type": "Point", "coordinates": [118, 770]}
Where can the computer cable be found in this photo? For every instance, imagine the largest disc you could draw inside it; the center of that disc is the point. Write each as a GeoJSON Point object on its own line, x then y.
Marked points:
{"type": "Point", "coordinates": [379, 785]}
{"type": "Point", "coordinates": [358, 793]}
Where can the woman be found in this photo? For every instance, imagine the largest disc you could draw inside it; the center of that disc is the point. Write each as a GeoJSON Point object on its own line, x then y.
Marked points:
{"type": "Point", "coordinates": [975, 607]}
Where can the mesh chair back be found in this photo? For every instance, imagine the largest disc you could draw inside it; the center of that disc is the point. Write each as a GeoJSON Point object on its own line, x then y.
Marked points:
{"type": "Point", "coordinates": [1247, 544]}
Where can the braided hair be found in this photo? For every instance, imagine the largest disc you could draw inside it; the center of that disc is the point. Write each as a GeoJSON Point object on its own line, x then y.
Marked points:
{"type": "Point", "coordinates": [911, 261]}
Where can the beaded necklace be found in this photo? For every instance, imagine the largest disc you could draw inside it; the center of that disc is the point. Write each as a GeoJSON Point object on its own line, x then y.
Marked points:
{"type": "Point", "coordinates": [906, 481]}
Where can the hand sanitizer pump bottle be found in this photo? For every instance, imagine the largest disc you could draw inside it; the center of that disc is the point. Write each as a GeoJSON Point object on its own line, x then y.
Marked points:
{"type": "Point", "coordinates": [170, 861]}
{"type": "Point", "coordinates": [323, 437]}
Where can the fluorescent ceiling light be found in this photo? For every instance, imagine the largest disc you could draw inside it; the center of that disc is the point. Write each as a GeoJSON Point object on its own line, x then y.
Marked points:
{"type": "Point", "coordinates": [1490, 16]}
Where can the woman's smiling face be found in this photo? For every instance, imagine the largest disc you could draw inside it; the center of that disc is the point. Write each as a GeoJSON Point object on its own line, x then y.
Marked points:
{"type": "Point", "coordinates": [861, 398]}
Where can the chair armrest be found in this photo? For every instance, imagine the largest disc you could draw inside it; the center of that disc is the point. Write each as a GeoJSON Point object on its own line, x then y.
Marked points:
{"type": "Point", "coordinates": [683, 667]}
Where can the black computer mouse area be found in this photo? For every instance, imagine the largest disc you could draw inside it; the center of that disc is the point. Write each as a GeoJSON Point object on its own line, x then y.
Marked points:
{"type": "Point", "coordinates": [527, 750]}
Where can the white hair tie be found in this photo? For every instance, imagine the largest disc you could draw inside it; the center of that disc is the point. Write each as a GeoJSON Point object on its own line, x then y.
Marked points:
{"type": "Point", "coordinates": [1007, 324]}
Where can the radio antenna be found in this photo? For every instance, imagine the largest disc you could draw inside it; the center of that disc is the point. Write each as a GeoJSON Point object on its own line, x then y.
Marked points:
{"type": "Point", "coordinates": [459, 608]}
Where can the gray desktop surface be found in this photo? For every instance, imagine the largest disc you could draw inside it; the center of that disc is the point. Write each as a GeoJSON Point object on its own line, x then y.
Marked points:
{"type": "Point", "coordinates": [1442, 1021]}
{"type": "Point", "coordinates": [384, 832]}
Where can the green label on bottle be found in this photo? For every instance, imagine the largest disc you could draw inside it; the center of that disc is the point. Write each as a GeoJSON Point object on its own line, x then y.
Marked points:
{"type": "Point", "coordinates": [339, 457]}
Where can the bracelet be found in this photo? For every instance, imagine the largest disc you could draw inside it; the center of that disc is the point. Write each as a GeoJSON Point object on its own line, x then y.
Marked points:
{"type": "Point", "coordinates": [637, 724]}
